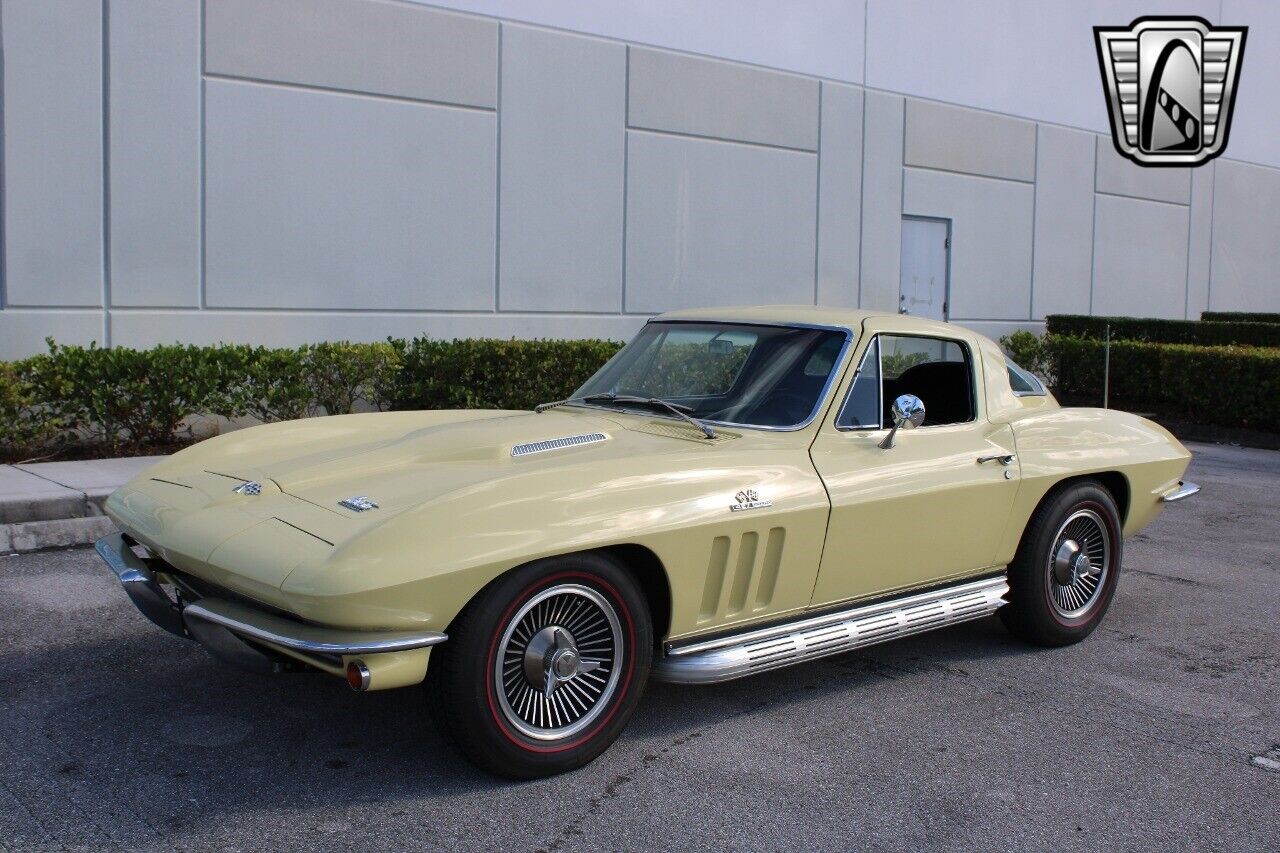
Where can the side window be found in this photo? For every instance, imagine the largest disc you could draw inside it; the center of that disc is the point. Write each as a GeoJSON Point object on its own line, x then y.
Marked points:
{"type": "Point", "coordinates": [1023, 382]}
{"type": "Point", "coordinates": [861, 408]}
{"type": "Point", "coordinates": [937, 371]}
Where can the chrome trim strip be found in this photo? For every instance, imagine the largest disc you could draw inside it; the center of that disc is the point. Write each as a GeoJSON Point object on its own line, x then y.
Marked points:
{"type": "Point", "coordinates": [557, 443]}
{"type": "Point", "coordinates": [1184, 490]}
{"type": "Point", "coordinates": [837, 370]}
{"type": "Point", "coordinates": [770, 648]}
{"type": "Point", "coordinates": [300, 637]}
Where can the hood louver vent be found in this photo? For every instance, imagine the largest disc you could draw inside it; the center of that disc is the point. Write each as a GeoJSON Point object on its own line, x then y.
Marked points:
{"type": "Point", "coordinates": [557, 443]}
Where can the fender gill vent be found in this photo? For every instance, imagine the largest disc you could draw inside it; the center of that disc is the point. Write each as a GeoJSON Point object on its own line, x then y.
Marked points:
{"type": "Point", "coordinates": [557, 443]}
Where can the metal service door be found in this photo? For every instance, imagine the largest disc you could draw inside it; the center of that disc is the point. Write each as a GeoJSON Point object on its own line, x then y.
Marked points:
{"type": "Point", "coordinates": [926, 249]}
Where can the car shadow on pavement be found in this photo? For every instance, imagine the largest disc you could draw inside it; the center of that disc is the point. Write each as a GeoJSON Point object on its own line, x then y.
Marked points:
{"type": "Point", "coordinates": [156, 720]}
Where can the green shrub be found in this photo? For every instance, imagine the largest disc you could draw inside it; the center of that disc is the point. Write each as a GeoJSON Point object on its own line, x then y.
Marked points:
{"type": "Point", "coordinates": [126, 400]}
{"type": "Point", "coordinates": [1226, 386]}
{"type": "Point", "coordinates": [1030, 352]}
{"type": "Point", "coordinates": [122, 397]}
{"type": "Point", "coordinates": [341, 375]}
{"type": "Point", "coordinates": [1239, 317]}
{"type": "Point", "coordinates": [487, 373]}
{"type": "Point", "coordinates": [25, 422]}
{"type": "Point", "coordinates": [1165, 331]}
{"type": "Point", "coordinates": [271, 384]}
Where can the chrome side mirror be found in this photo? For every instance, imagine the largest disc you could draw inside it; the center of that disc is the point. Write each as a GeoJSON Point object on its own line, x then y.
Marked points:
{"type": "Point", "coordinates": [908, 413]}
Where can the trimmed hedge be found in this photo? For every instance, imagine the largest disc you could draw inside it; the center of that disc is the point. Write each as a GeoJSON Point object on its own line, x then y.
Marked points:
{"type": "Point", "coordinates": [122, 400]}
{"type": "Point", "coordinates": [1153, 330]}
{"type": "Point", "coordinates": [485, 373]}
{"type": "Point", "coordinates": [1239, 317]}
{"type": "Point", "coordinates": [1224, 386]}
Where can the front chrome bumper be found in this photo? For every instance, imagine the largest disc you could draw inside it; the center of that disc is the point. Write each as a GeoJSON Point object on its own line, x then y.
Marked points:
{"type": "Point", "coordinates": [236, 632]}
{"type": "Point", "coordinates": [1183, 491]}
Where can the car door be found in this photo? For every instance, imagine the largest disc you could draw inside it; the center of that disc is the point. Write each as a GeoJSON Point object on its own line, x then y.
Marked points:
{"type": "Point", "coordinates": [932, 507]}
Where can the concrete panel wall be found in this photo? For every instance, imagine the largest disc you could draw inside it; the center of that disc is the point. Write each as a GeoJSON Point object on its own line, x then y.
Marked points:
{"type": "Point", "coordinates": [1063, 247]}
{"type": "Point", "coordinates": [1246, 238]}
{"type": "Point", "coordinates": [370, 46]}
{"type": "Point", "coordinates": [839, 195]}
{"type": "Point", "coordinates": [1198, 238]}
{"type": "Point", "coordinates": [326, 200]}
{"type": "Point", "coordinates": [717, 223]}
{"type": "Point", "coordinates": [1139, 258]}
{"type": "Point", "coordinates": [940, 136]}
{"type": "Point", "coordinates": [154, 145]}
{"type": "Point", "coordinates": [366, 166]}
{"type": "Point", "coordinates": [990, 239]}
{"type": "Point", "coordinates": [1032, 59]}
{"type": "Point", "coordinates": [822, 37]}
{"type": "Point", "coordinates": [144, 328]}
{"type": "Point", "coordinates": [22, 331]}
{"type": "Point", "coordinates": [53, 153]}
{"type": "Point", "coordinates": [562, 164]}
{"type": "Point", "coordinates": [881, 201]}
{"type": "Point", "coordinates": [705, 97]}
{"type": "Point", "coordinates": [1118, 176]}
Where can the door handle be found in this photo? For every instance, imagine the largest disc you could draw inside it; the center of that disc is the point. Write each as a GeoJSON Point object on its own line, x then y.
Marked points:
{"type": "Point", "coordinates": [1005, 459]}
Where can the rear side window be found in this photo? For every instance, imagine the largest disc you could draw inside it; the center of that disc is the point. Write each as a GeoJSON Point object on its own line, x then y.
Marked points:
{"type": "Point", "coordinates": [1023, 382]}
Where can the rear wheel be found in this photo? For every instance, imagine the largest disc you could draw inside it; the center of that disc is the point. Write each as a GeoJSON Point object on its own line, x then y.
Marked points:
{"type": "Point", "coordinates": [542, 671]}
{"type": "Point", "coordinates": [1067, 566]}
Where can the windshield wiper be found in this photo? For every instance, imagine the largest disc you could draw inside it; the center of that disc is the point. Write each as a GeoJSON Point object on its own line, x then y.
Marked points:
{"type": "Point", "coordinates": [609, 397]}
{"type": "Point", "coordinates": [589, 398]}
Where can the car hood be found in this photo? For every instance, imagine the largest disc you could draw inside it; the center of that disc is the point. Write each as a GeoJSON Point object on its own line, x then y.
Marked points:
{"type": "Point", "coordinates": [399, 462]}
{"type": "Point", "coordinates": [453, 501]}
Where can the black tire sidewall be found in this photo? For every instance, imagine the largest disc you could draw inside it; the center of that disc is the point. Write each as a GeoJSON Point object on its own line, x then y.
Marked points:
{"type": "Point", "coordinates": [464, 695]}
{"type": "Point", "coordinates": [1030, 613]}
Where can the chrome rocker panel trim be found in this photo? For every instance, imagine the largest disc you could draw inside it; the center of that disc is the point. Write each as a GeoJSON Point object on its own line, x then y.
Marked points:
{"type": "Point", "coordinates": [748, 653]}
{"type": "Point", "coordinates": [222, 626]}
{"type": "Point", "coordinates": [1184, 490]}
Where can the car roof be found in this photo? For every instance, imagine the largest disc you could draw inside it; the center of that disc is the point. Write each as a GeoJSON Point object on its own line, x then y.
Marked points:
{"type": "Point", "coordinates": [810, 315]}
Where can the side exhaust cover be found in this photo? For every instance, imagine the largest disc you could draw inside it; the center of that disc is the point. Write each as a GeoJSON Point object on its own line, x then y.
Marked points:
{"type": "Point", "coordinates": [782, 645]}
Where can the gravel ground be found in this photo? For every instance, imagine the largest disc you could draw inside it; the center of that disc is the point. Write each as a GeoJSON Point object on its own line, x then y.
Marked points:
{"type": "Point", "coordinates": [1160, 731]}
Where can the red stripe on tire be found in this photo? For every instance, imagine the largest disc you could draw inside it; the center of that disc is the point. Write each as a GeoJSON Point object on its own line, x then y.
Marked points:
{"type": "Point", "coordinates": [490, 687]}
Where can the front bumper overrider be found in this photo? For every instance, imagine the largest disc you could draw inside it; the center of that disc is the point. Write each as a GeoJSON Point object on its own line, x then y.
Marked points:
{"type": "Point", "coordinates": [255, 639]}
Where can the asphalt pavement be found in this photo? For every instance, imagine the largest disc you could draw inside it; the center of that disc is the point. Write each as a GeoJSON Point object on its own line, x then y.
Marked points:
{"type": "Point", "coordinates": [1161, 731]}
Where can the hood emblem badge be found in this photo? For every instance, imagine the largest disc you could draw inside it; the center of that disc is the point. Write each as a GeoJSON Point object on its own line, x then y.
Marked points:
{"type": "Point", "coordinates": [248, 488]}
{"type": "Point", "coordinates": [748, 499]}
{"type": "Point", "coordinates": [358, 503]}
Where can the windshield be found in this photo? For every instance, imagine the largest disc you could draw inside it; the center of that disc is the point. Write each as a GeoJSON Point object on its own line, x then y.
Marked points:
{"type": "Point", "coordinates": [735, 373]}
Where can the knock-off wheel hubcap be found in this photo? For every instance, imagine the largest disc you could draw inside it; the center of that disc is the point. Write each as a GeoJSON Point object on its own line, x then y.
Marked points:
{"type": "Point", "coordinates": [1071, 564]}
{"type": "Point", "coordinates": [1078, 563]}
{"type": "Point", "coordinates": [557, 662]}
{"type": "Point", "coordinates": [552, 657]}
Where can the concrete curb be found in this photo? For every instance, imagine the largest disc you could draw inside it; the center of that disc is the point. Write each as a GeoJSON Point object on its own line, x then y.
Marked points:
{"type": "Point", "coordinates": [59, 504]}
{"type": "Point", "coordinates": [27, 536]}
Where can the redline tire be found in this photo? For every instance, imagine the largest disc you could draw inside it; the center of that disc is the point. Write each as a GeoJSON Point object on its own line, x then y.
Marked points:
{"type": "Point", "coordinates": [580, 618]}
{"type": "Point", "coordinates": [1064, 576]}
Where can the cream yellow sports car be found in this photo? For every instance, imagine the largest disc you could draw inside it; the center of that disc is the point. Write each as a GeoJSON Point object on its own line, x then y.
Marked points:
{"type": "Point", "coordinates": [736, 490]}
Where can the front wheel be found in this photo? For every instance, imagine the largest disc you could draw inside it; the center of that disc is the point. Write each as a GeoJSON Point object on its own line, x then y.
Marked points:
{"type": "Point", "coordinates": [542, 671]}
{"type": "Point", "coordinates": [1065, 572]}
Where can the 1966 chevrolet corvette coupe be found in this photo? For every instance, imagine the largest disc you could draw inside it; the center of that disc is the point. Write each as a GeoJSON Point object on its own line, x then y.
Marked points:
{"type": "Point", "coordinates": [736, 490]}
